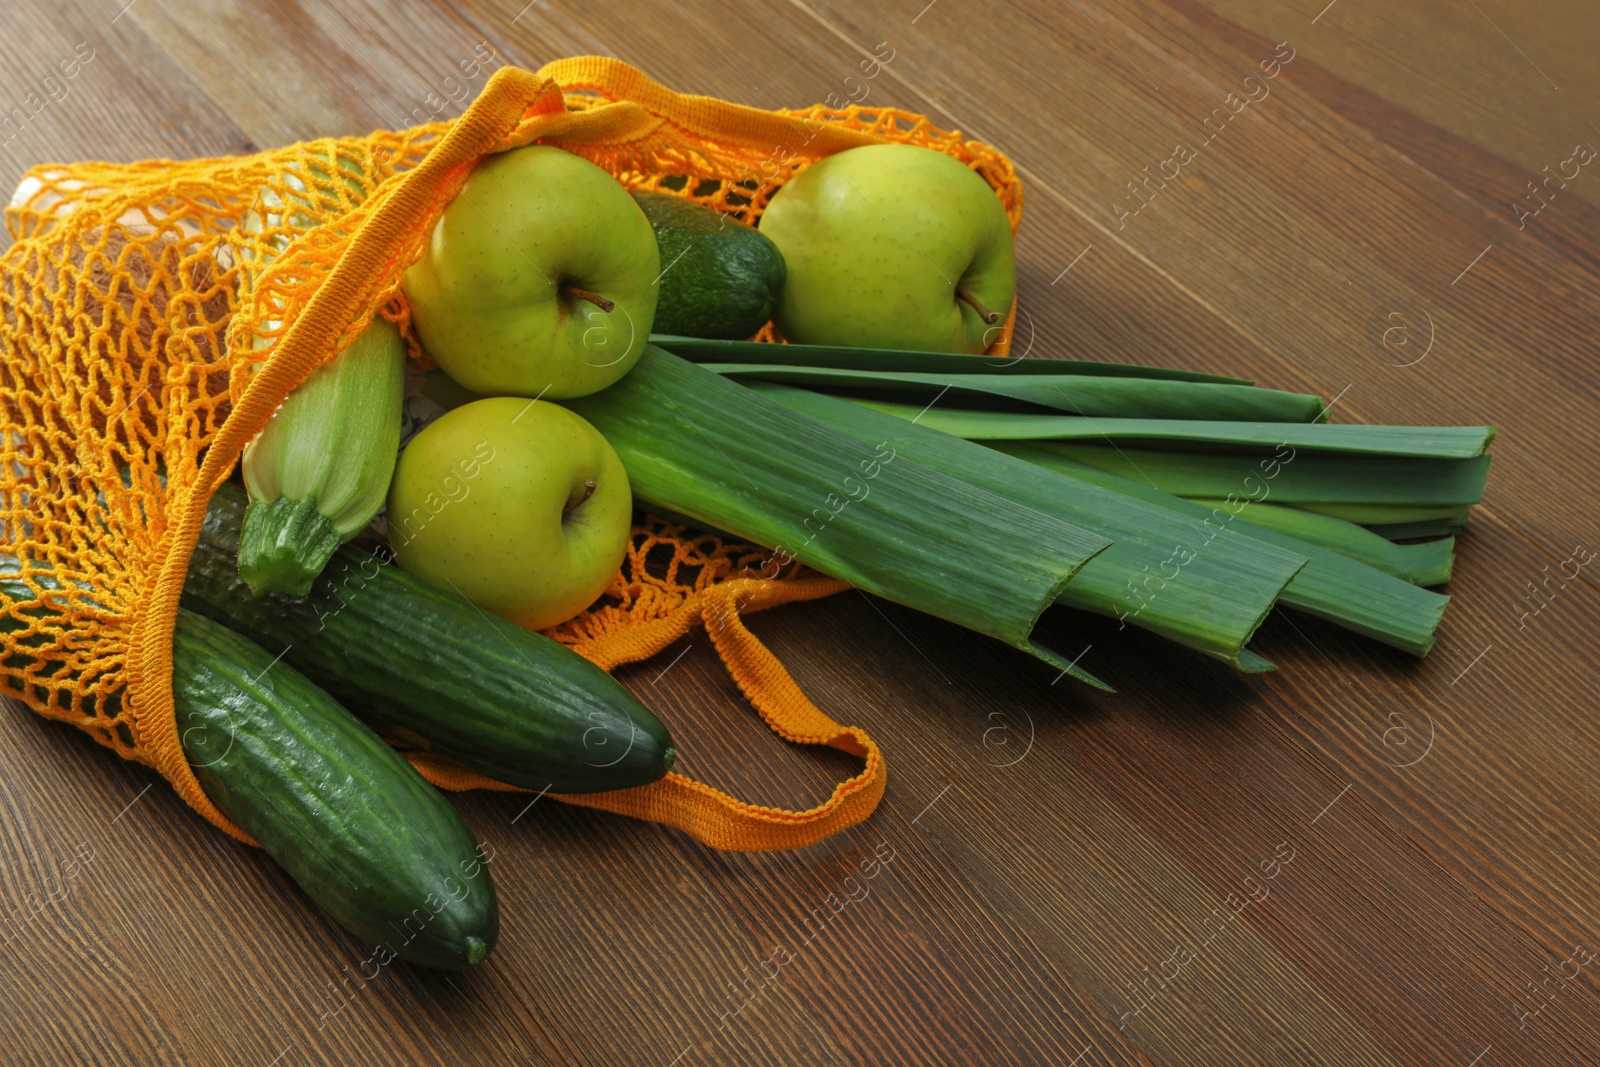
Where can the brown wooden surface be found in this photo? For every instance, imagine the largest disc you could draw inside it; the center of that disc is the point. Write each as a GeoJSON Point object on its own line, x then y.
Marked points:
{"type": "Point", "coordinates": [1051, 847]}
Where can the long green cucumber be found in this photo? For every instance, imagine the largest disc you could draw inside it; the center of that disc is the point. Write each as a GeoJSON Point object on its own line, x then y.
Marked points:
{"type": "Point", "coordinates": [377, 847]}
{"type": "Point", "coordinates": [370, 842]}
{"type": "Point", "coordinates": [432, 670]}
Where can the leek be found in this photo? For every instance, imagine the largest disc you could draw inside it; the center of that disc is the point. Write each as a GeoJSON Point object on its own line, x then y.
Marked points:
{"type": "Point", "coordinates": [1139, 441]}
{"type": "Point", "coordinates": [1360, 598]}
{"type": "Point", "coordinates": [1407, 531]}
{"type": "Point", "coordinates": [708, 448]}
{"type": "Point", "coordinates": [1163, 572]}
{"type": "Point", "coordinates": [1388, 514]}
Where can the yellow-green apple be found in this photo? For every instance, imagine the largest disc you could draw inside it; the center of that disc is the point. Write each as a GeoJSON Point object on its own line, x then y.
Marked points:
{"type": "Point", "coordinates": [539, 278]}
{"type": "Point", "coordinates": [518, 505]}
{"type": "Point", "coordinates": [892, 246]}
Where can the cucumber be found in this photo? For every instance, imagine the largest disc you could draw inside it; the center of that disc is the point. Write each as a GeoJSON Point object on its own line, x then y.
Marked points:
{"type": "Point", "coordinates": [429, 669]}
{"type": "Point", "coordinates": [371, 842]}
{"type": "Point", "coordinates": [366, 838]}
{"type": "Point", "coordinates": [719, 279]}
{"type": "Point", "coordinates": [320, 470]}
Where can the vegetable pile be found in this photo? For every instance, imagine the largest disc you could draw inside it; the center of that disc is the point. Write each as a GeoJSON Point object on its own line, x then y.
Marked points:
{"type": "Point", "coordinates": [365, 587]}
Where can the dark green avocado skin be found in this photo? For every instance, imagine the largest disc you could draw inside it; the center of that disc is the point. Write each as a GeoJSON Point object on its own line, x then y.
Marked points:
{"type": "Point", "coordinates": [720, 278]}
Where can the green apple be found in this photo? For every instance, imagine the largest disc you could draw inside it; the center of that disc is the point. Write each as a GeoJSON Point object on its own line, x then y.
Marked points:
{"type": "Point", "coordinates": [538, 280]}
{"type": "Point", "coordinates": [518, 505]}
{"type": "Point", "coordinates": [892, 246]}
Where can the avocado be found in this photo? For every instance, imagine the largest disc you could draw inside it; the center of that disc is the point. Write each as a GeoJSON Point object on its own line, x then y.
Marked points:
{"type": "Point", "coordinates": [719, 278]}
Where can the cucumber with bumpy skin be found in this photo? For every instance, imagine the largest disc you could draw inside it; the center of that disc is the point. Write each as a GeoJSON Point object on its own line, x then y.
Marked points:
{"type": "Point", "coordinates": [367, 839]}
{"type": "Point", "coordinates": [719, 279]}
{"type": "Point", "coordinates": [430, 669]}
{"type": "Point", "coordinates": [376, 846]}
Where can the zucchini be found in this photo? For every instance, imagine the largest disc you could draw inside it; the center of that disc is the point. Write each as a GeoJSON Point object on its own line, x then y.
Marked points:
{"type": "Point", "coordinates": [429, 669]}
{"type": "Point", "coordinates": [377, 847]}
{"type": "Point", "coordinates": [359, 831]}
{"type": "Point", "coordinates": [320, 470]}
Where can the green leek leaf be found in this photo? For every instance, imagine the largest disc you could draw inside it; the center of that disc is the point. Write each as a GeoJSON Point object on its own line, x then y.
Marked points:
{"type": "Point", "coordinates": [699, 350]}
{"type": "Point", "coordinates": [706, 447]}
{"type": "Point", "coordinates": [1162, 572]}
{"type": "Point", "coordinates": [1350, 593]}
{"type": "Point", "coordinates": [1425, 564]}
{"type": "Point", "coordinates": [1306, 479]}
{"type": "Point", "coordinates": [1438, 442]}
{"type": "Point", "coordinates": [1081, 394]}
{"type": "Point", "coordinates": [1408, 531]}
{"type": "Point", "coordinates": [1382, 514]}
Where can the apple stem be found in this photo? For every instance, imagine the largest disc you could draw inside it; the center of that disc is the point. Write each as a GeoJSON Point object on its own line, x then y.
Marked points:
{"type": "Point", "coordinates": [588, 491]}
{"type": "Point", "coordinates": [594, 298]}
{"type": "Point", "coordinates": [984, 313]}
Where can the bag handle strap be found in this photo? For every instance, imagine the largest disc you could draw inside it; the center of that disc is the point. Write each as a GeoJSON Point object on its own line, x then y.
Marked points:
{"type": "Point", "coordinates": [710, 815]}
{"type": "Point", "coordinates": [704, 117]}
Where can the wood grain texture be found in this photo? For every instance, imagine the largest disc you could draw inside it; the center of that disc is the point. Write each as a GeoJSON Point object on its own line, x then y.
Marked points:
{"type": "Point", "coordinates": [1044, 854]}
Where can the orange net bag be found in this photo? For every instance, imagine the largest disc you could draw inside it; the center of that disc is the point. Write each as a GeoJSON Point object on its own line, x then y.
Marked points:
{"type": "Point", "coordinates": [136, 367]}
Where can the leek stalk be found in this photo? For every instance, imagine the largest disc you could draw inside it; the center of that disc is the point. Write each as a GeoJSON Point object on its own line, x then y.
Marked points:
{"type": "Point", "coordinates": [708, 448]}
{"type": "Point", "coordinates": [1163, 572]}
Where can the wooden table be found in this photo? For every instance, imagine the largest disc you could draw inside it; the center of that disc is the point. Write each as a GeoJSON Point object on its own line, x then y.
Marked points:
{"type": "Point", "coordinates": [1066, 877]}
